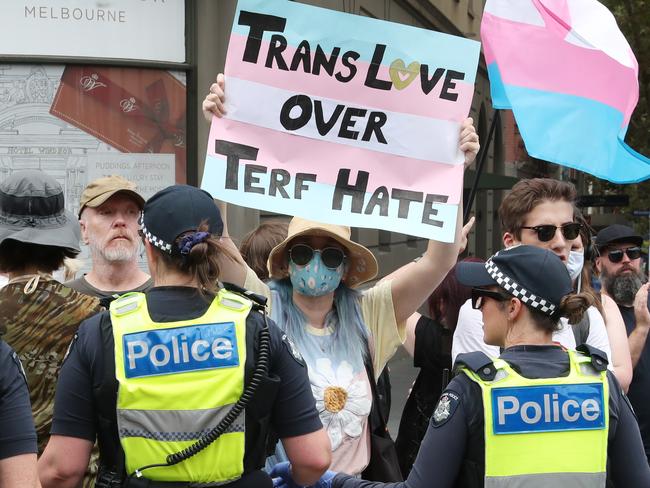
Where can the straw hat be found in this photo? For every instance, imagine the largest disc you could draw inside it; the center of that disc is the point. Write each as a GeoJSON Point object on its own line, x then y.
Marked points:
{"type": "Point", "coordinates": [361, 263]}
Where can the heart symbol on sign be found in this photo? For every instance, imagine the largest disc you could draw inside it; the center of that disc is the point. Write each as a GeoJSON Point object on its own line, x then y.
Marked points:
{"type": "Point", "coordinates": [402, 75]}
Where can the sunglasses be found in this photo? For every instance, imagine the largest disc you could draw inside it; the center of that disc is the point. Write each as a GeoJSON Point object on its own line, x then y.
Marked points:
{"type": "Point", "coordinates": [617, 255]}
{"type": "Point", "coordinates": [302, 254]}
{"type": "Point", "coordinates": [479, 295]}
{"type": "Point", "coordinates": [546, 232]}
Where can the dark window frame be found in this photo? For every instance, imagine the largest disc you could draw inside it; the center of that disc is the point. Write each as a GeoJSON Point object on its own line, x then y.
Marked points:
{"type": "Point", "coordinates": [188, 67]}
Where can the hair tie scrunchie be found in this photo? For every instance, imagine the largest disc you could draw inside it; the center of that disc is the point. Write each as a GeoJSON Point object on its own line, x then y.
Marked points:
{"type": "Point", "coordinates": [191, 240]}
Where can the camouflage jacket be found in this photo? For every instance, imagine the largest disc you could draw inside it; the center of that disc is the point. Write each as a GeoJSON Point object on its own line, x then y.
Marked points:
{"type": "Point", "coordinates": [38, 318]}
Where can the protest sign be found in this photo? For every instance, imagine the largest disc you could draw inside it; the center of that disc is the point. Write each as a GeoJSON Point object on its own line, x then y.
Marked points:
{"type": "Point", "coordinates": [342, 119]}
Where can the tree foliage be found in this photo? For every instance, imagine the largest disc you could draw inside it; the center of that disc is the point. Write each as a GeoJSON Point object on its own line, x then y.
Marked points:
{"type": "Point", "coordinates": [633, 17]}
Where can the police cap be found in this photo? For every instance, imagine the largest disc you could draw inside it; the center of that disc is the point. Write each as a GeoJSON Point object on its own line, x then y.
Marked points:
{"type": "Point", "coordinates": [175, 210]}
{"type": "Point", "coordinates": [534, 275]}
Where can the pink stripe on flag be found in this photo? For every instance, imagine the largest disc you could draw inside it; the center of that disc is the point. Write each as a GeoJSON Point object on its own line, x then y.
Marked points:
{"type": "Point", "coordinates": [410, 100]}
{"type": "Point", "coordinates": [533, 57]}
{"type": "Point", "coordinates": [558, 11]}
{"type": "Point", "coordinates": [300, 154]}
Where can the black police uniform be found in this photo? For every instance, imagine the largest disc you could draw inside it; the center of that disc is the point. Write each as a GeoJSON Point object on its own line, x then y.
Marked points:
{"type": "Point", "coordinates": [85, 404]}
{"type": "Point", "coordinates": [17, 432]}
{"type": "Point", "coordinates": [432, 354]}
{"type": "Point", "coordinates": [639, 390]}
{"type": "Point", "coordinates": [452, 453]}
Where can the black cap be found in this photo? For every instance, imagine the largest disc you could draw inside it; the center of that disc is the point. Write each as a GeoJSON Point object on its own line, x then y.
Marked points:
{"type": "Point", "coordinates": [175, 210]}
{"type": "Point", "coordinates": [534, 275]}
{"type": "Point", "coordinates": [617, 233]}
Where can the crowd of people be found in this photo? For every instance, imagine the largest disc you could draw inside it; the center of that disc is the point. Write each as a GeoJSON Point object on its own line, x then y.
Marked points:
{"type": "Point", "coordinates": [265, 364]}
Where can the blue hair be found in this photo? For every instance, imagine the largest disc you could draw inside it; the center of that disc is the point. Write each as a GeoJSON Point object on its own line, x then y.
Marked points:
{"type": "Point", "coordinates": [350, 333]}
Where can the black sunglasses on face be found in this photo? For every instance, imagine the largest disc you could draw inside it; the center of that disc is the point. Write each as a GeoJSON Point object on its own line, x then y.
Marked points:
{"type": "Point", "coordinates": [301, 254]}
{"type": "Point", "coordinates": [616, 256]}
{"type": "Point", "coordinates": [479, 294]}
{"type": "Point", "coordinates": [546, 232]}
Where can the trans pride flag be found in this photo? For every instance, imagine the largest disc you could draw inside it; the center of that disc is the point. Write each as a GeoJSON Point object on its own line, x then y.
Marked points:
{"type": "Point", "coordinates": [570, 78]}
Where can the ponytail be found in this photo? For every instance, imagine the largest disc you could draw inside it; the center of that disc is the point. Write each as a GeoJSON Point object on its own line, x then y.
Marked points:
{"type": "Point", "coordinates": [197, 254]}
{"type": "Point", "coordinates": [574, 305]}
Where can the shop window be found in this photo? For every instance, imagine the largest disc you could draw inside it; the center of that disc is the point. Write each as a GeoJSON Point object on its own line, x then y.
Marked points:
{"type": "Point", "coordinates": [82, 122]}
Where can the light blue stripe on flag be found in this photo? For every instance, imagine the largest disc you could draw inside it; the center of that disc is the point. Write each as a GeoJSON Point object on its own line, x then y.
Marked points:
{"type": "Point", "coordinates": [330, 29]}
{"type": "Point", "coordinates": [316, 204]}
{"type": "Point", "coordinates": [573, 131]}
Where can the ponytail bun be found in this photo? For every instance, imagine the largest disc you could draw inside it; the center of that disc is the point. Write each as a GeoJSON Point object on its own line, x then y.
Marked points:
{"type": "Point", "coordinates": [574, 305]}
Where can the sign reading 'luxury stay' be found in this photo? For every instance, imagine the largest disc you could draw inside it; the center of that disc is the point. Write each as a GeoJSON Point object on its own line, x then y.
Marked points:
{"type": "Point", "coordinates": [343, 119]}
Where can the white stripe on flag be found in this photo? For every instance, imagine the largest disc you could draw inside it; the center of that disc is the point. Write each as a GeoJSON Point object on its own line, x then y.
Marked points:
{"type": "Point", "coordinates": [523, 11]}
{"type": "Point", "coordinates": [407, 135]}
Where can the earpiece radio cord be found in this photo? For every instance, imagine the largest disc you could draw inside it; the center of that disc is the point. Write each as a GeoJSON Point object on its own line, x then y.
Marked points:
{"type": "Point", "coordinates": [260, 372]}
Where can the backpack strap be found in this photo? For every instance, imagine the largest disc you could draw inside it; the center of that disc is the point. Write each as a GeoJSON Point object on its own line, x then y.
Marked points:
{"type": "Point", "coordinates": [378, 416]}
{"type": "Point", "coordinates": [581, 330]}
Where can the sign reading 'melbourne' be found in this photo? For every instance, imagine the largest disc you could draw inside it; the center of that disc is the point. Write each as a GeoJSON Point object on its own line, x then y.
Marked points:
{"type": "Point", "coordinates": [123, 29]}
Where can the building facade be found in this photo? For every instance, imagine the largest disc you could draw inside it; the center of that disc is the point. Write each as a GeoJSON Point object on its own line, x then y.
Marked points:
{"type": "Point", "coordinates": [161, 56]}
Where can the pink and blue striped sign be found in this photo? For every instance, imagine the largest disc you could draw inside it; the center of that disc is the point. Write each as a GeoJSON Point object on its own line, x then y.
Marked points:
{"type": "Point", "coordinates": [570, 78]}
{"type": "Point", "coordinates": [343, 119]}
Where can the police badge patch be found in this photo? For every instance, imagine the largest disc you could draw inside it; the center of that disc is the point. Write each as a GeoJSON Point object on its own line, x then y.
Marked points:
{"type": "Point", "coordinates": [445, 408]}
{"type": "Point", "coordinates": [293, 350]}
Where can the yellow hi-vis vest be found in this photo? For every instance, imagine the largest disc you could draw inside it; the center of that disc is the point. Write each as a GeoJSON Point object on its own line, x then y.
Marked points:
{"type": "Point", "coordinates": [177, 380]}
{"type": "Point", "coordinates": [547, 432]}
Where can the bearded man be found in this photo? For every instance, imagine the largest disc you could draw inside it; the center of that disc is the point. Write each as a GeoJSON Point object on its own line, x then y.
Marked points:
{"type": "Point", "coordinates": [622, 278]}
{"type": "Point", "coordinates": [109, 212]}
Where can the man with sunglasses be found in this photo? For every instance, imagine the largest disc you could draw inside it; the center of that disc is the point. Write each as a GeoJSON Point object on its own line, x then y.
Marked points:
{"type": "Point", "coordinates": [619, 266]}
{"type": "Point", "coordinates": [537, 212]}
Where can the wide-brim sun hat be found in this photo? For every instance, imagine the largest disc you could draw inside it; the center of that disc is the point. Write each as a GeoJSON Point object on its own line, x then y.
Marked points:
{"type": "Point", "coordinates": [361, 265]}
{"type": "Point", "coordinates": [32, 211]}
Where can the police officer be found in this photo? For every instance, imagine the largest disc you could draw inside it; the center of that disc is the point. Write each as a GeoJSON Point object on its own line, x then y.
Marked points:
{"type": "Point", "coordinates": [17, 433]}
{"type": "Point", "coordinates": [537, 416]}
{"type": "Point", "coordinates": [181, 386]}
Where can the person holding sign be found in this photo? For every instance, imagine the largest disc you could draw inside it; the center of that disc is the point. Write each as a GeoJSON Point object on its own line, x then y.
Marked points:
{"type": "Point", "coordinates": [181, 385]}
{"type": "Point", "coordinates": [537, 416]}
{"type": "Point", "coordinates": [345, 336]}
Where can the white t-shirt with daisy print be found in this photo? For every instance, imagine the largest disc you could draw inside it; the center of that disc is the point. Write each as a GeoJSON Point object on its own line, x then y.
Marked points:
{"type": "Point", "coordinates": [340, 384]}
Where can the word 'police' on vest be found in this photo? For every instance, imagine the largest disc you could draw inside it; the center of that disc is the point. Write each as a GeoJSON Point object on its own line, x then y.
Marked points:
{"type": "Point", "coordinates": [180, 349]}
{"type": "Point", "coordinates": [547, 408]}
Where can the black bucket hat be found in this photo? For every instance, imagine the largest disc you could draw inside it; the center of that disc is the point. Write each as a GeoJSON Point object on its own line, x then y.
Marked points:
{"type": "Point", "coordinates": [534, 275]}
{"type": "Point", "coordinates": [175, 210]}
{"type": "Point", "coordinates": [32, 211]}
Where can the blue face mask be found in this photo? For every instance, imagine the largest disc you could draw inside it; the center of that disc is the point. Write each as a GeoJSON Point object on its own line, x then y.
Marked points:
{"type": "Point", "coordinates": [314, 279]}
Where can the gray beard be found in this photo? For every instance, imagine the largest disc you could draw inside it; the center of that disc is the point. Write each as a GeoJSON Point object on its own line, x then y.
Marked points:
{"type": "Point", "coordinates": [623, 288]}
{"type": "Point", "coordinates": [122, 253]}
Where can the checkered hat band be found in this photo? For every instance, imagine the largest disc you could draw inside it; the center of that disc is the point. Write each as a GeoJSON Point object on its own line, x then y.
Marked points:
{"type": "Point", "coordinates": [159, 243]}
{"type": "Point", "coordinates": [516, 290]}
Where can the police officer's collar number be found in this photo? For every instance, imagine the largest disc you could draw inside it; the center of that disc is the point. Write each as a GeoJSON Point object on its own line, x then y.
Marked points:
{"type": "Point", "coordinates": [180, 349]}
{"type": "Point", "coordinates": [517, 410]}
